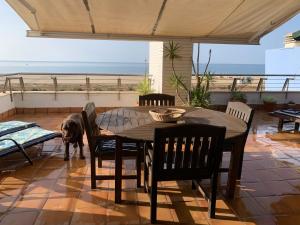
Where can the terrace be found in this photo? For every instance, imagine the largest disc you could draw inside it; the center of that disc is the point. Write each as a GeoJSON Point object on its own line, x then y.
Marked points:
{"type": "Point", "coordinates": [56, 192]}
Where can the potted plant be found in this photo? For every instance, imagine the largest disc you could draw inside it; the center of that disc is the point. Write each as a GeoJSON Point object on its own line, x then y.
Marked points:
{"type": "Point", "coordinates": [269, 103]}
{"type": "Point", "coordinates": [144, 87]}
{"type": "Point", "coordinates": [237, 96]}
{"type": "Point", "coordinates": [291, 104]}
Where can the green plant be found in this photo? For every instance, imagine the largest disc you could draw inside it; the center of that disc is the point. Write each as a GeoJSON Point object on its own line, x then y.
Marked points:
{"type": "Point", "coordinates": [197, 96]}
{"type": "Point", "coordinates": [238, 96]}
{"type": "Point", "coordinates": [78, 89]}
{"type": "Point", "coordinates": [200, 97]}
{"type": "Point", "coordinates": [171, 52]}
{"type": "Point", "coordinates": [246, 80]}
{"type": "Point", "coordinates": [144, 87]}
{"type": "Point", "coordinates": [269, 99]}
{"type": "Point", "coordinates": [36, 89]}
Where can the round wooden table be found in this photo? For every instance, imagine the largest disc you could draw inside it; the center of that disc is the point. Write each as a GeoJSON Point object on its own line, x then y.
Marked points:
{"type": "Point", "coordinates": [136, 123]}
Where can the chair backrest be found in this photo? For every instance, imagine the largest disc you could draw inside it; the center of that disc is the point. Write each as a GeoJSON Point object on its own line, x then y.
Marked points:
{"type": "Point", "coordinates": [89, 116]}
{"type": "Point", "coordinates": [241, 111]}
{"type": "Point", "coordinates": [187, 151]}
{"type": "Point", "coordinates": [156, 100]}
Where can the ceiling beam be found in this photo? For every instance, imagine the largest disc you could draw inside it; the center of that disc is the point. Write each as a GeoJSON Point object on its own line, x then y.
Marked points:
{"type": "Point", "coordinates": [68, 35]}
{"type": "Point", "coordinates": [227, 17]}
{"type": "Point", "coordinates": [159, 16]}
{"type": "Point", "coordinates": [86, 3]}
{"type": "Point", "coordinates": [32, 10]}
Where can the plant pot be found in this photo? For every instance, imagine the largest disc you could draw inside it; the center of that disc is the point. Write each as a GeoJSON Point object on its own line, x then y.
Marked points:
{"type": "Point", "coordinates": [291, 105]}
{"type": "Point", "coordinates": [238, 100]}
{"type": "Point", "coordinates": [269, 106]}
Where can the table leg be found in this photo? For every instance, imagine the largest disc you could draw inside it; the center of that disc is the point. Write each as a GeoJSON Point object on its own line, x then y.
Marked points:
{"type": "Point", "coordinates": [280, 125]}
{"type": "Point", "coordinates": [296, 127]}
{"type": "Point", "coordinates": [233, 172]}
{"type": "Point", "coordinates": [118, 171]}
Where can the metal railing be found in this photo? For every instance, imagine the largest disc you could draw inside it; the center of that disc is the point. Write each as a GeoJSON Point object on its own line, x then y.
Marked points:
{"type": "Point", "coordinates": [254, 83]}
{"type": "Point", "coordinates": [123, 82]}
{"type": "Point", "coordinates": [69, 82]}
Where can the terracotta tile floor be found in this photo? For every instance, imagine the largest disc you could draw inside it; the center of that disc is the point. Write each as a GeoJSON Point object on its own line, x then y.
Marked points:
{"type": "Point", "coordinates": [56, 192]}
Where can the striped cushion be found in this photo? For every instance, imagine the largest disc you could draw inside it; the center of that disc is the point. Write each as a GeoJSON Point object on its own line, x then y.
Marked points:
{"type": "Point", "coordinates": [26, 138]}
{"type": "Point", "coordinates": [13, 126]}
{"type": "Point", "coordinates": [110, 146]}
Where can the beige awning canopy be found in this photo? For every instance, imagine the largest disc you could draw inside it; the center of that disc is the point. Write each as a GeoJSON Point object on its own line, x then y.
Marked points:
{"type": "Point", "coordinates": [212, 21]}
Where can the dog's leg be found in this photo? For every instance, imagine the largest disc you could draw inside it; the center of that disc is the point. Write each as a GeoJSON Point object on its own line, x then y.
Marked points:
{"type": "Point", "coordinates": [67, 157]}
{"type": "Point", "coordinates": [80, 143]}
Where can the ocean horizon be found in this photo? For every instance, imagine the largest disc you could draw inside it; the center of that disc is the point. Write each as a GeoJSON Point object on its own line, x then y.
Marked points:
{"type": "Point", "coordinates": [7, 67]}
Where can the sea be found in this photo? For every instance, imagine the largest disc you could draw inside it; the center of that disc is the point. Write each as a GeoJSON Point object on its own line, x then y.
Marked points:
{"type": "Point", "coordinates": [8, 67]}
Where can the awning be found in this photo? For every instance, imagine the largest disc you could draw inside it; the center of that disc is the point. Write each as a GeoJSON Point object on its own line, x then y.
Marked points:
{"type": "Point", "coordinates": [211, 21]}
{"type": "Point", "coordinates": [296, 35]}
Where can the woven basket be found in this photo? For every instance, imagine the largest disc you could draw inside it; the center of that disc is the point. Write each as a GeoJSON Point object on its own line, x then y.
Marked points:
{"type": "Point", "coordinates": [167, 115]}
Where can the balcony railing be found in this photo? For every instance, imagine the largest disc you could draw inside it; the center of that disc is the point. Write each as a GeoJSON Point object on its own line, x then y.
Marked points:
{"type": "Point", "coordinates": [55, 83]}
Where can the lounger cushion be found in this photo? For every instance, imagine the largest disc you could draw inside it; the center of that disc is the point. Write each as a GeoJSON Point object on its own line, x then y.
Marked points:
{"type": "Point", "coordinates": [27, 137]}
{"type": "Point", "coordinates": [13, 126]}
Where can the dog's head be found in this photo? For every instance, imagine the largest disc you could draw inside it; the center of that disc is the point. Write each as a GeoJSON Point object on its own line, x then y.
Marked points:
{"type": "Point", "coordinates": [70, 130]}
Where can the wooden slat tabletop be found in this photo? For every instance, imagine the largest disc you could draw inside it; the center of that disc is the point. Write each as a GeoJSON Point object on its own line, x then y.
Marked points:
{"type": "Point", "coordinates": [136, 122]}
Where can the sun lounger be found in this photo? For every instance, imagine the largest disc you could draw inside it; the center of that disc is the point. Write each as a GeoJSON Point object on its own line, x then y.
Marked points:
{"type": "Point", "coordinates": [13, 126]}
{"type": "Point", "coordinates": [22, 137]}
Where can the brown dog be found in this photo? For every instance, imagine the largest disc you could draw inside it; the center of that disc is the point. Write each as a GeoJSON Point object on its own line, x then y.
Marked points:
{"type": "Point", "coordinates": [72, 132]}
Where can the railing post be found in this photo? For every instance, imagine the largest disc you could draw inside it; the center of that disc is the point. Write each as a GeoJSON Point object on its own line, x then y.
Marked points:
{"type": "Point", "coordinates": [233, 86]}
{"type": "Point", "coordinates": [285, 86]}
{"type": "Point", "coordinates": [22, 87]}
{"type": "Point", "coordinates": [10, 90]}
{"type": "Point", "coordinates": [55, 86]}
{"type": "Point", "coordinates": [88, 87]}
{"type": "Point", "coordinates": [260, 85]}
{"type": "Point", "coordinates": [5, 85]}
{"type": "Point", "coordinates": [119, 88]}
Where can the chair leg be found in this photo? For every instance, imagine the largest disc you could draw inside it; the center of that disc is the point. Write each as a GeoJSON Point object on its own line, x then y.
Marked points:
{"type": "Point", "coordinates": [153, 201]}
{"type": "Point", "coordinates": [213, 196]}
{"type": "Point", "coordinates": [146, 173]}
{"type": "Point", "coordinates": [99, 162]}
{"type": "Point", "coordinates": [93, 172]}
{"type": "Point", "coordinates": [193, 185]}
{"type": "Point", "coordinates": [138, 169]}
{"type": "Point", "coordinates": [118, 171]}
{"type": "Point", "coordinates": [241, 164]}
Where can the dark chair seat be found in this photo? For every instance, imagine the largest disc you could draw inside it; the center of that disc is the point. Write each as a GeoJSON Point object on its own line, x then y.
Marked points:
{"type": "Point", "coordinates": [109, 146]}
{"type": "Point", "coordinates": [245, 113]}
{"type": "Point", "coordinates": [103, 147]}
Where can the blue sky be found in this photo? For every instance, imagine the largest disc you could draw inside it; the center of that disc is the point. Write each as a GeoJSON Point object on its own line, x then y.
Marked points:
{"type": "Point", "coordinates": [14, 45]}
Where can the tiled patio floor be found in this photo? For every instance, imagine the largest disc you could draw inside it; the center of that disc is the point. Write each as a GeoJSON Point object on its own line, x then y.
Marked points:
{"type": "Point", "coordinates": [56, 192]}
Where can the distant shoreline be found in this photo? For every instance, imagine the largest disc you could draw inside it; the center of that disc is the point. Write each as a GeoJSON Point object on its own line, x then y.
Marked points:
{"type": "Point", "coordinates": [113, 68]}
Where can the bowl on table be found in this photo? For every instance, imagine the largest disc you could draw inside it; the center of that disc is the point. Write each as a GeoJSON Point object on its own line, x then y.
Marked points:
{"type": "Point", "coordinates": [167, 114]}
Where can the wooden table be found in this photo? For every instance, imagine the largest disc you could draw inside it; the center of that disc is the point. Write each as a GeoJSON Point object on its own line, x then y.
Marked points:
{"type": "Point", "coordinates": [136, 123]}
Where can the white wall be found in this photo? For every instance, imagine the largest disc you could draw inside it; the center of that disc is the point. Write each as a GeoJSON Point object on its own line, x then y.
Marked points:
{"type": "Point", "coordinates": [111, 99]}
{"type": "Point", "coordinates": [5, 103]}
{"type": "Point", "coordinates": [75, 99]}
{"type": "Point", "coordinates": [156, 64]}
{"type": "Point", "coordinates": [160, 67]}
{"type": "Point", "coordinates": [255, 98]}
{"type": "Point", "coordinates": [282, 61]}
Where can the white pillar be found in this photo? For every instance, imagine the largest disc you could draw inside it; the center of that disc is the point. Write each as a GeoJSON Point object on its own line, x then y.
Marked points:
{"type": "Point", "coordinates": [161, 70]}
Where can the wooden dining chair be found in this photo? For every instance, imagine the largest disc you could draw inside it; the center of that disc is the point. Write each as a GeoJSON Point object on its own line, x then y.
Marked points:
{"type": "Point", "coordinates": [156, 100]}
{"type": "Point", "coordinates": [241, 111]}
{"type": "Point", "coordinates": [184, 152]}
{"type": "Point", "coordinates": [103, 147]}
